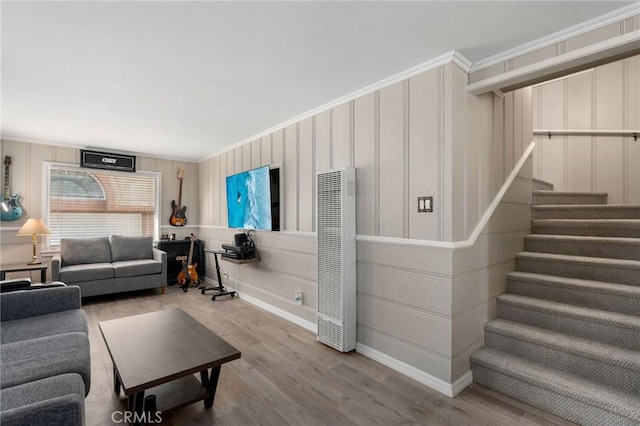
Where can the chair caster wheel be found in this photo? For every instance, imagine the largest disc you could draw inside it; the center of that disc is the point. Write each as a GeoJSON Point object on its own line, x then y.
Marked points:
{"type": "Point", "coordinates": [202, 291]}
{"type": "Point", "coordinates": [233, 295]}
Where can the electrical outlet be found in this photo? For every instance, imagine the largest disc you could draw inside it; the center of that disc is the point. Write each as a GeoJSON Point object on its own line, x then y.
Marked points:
{"type": "Point", "coordinates": [225, 274]}
{"type": "Point", "coordinates": [299, 298]}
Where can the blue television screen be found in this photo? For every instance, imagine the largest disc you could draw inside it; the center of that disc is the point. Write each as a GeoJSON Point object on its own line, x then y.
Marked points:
{"type": "Point", "coordinates": [249, 199]}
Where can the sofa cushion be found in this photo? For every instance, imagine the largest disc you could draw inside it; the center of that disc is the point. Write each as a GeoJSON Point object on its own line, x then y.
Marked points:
{"type": "Point", "coordinates": [57, 400]}
{"type": "Point", "coordinates": [131, 248]}
{"type": "Point", "coordinates": [134, 268]}
{"type": "Point", "coordinates": [36, 359]}
{"type": "Point", "coordinates": [44, 325]}
{"type": "Point", "coordinates": [76, 251]}
{"type": "Point", "coordinates": [88, 272]}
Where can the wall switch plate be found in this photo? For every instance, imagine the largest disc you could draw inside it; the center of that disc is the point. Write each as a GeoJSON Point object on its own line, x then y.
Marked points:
{"type": "Point", "coordinates": [425, 204]}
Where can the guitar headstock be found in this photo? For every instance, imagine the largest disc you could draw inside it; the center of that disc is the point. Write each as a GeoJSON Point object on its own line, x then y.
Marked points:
{"type": "Point", "coordinates": [180, 174]}
{"type": "Point", "coordinates": [193, 237]}
{"type": "Point", "coordinates": [7, 160]}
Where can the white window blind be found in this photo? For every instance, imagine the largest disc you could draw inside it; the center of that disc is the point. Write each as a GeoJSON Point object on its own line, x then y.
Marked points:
{"type": "Point", "coordinates": [96, 203]}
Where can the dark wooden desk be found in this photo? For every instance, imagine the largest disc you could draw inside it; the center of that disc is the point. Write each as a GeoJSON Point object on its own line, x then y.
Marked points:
{"type": "Point", "coordinates": [158, 353]}
{"type": "Point", "coordinates": [24, 267]}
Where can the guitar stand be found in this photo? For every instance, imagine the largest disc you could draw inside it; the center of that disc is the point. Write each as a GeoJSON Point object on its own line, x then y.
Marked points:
{"type": "Point", "coordinates": [220, 288]}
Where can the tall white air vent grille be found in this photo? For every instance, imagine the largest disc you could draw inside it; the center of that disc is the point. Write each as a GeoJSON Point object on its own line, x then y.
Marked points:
{"type": "Point", "coordinates": [336, 268]}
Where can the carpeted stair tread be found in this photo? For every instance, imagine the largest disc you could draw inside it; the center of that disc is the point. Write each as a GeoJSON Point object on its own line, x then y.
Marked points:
{"type": "Point", "coordinates": [594, 315]}
{"type": "Point", "coordinates": [625, 228]}
{"type": "Point", "coordinates": [622, 271]}
{"type": "Point", "coordinates": [578, 245]}
{"type": "Point", "coordinates": [605, 327]}
{"type": "Point", "coordinates": [564, 394]}
{"type": "Point", "coordinates": [543, 197]}
{"type": "Point", "coordinates": [605, 364]}
{"type": "Point", "coordinates": [567, 336]}
{"type": "Point", "coordinates": [620, 298]}
{"type": "Point", "coordinates": [586, 211]}
{"type": "Point", "coordinates": [624, 290]}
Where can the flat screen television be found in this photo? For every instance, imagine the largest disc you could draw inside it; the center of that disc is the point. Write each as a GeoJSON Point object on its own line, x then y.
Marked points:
{"type": "Point", "coordinates": [252, 198]}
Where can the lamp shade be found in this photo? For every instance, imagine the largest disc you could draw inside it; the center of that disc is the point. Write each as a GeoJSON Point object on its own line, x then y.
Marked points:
{"type": "Point", "coordinates": [34, 227]}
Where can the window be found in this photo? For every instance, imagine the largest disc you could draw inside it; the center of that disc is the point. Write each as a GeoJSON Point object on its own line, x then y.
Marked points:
{"type": "Point", "coordinates": [96, 203]}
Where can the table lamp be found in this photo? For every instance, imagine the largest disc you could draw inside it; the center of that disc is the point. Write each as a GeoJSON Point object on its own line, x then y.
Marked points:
{"type": "Point", "coordinates": [34, 227]}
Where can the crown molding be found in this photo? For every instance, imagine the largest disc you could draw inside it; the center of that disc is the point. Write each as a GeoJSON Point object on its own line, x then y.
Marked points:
{"type": "Point", "coordinates": [450, 57]}
{"type": "Point", "coordinates": [627, 44]}
{"type": "Point", "coordinates": [460, 60]}
{"type": "Point", "coordinates": [562, 35]}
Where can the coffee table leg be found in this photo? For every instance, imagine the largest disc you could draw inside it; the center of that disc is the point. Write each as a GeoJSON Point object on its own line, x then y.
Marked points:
{"type": "Point", "coordinates": [116, 381]}
{"type": "Point", "coordinates": [136, 406]}
{"type": "Point", "coordinates": [211, 383]}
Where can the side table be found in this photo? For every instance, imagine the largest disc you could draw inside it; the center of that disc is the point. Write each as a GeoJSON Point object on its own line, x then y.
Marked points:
{"type": "Point", "coordinates": [23, 267]}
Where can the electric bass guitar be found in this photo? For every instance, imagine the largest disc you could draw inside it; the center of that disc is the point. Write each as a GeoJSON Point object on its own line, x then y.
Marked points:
{"type": "Point", "coordinates": [9, 204]}
{"type": "Point", "coordinates": [188, 273]}
{"type": "Point", "coordinates": [178, 215]}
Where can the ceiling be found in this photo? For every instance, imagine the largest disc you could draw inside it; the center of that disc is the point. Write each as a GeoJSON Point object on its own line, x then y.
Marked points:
{"type": "Point", "coordinates": [186, 80]}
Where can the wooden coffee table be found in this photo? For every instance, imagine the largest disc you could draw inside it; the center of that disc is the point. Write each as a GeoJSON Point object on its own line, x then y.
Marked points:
{"type": "Point", "coordinates": [158, 353]}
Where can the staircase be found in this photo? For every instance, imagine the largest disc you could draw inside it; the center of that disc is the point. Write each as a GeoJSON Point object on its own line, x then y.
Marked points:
{"type": "Point", "coordinates": [567, 336]}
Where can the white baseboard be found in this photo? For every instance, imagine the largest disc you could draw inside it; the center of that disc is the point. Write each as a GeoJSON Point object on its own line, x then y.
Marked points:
{"type": "Point", "coordinates": [448, 389]}
{"type": "Point", "coordinates": [277, 311]}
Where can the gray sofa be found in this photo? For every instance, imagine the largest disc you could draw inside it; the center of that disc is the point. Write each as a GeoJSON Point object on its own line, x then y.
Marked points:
{"type": "Point", "coordinates": [45, 372]}
{"type": "Point", "coordinates": [105, 265]}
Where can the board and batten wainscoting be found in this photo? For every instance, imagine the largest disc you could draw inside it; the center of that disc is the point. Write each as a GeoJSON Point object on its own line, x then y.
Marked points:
{"type": "Point", "coordinates": [422, 135]}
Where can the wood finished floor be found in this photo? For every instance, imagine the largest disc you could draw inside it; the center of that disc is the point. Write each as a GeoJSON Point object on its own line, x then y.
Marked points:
{"type": "Point", "coordinates": [286, 377]}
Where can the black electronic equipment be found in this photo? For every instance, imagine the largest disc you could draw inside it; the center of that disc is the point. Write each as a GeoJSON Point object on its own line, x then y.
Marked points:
{"type": "Point", "coordinates": [105, 160]}
{"type": "Point", "coordinates": [178, 248]}
{"type": "Point", "coordinates": [239, 252]}
{"type": "Point", "coordinates": [241, 239]}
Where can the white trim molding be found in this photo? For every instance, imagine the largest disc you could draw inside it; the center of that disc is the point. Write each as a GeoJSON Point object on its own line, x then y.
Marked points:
{"type": "Point", "coordinates": [307, 325]}
{"type": "Point", "coordinates": [566, 34]}
{"type": "Point", "coordinates": [450, 57]}
{"type": "Point", "coordinates": [568, 63]}
{"type": "Point", "coordinates": [442, 386]}
{"type": "Point", "coordinates": [477, 230]}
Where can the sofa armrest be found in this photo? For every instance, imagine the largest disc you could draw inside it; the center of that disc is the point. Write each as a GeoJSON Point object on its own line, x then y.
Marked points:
{"type": "Point", "coordinates": [62, 410]}
{"type": "Point", "coordinates": [162, 257]}
{"type": "Point", "coordinates": [25, 304]}
{"type": "Point", "coordinates": [56, 263]}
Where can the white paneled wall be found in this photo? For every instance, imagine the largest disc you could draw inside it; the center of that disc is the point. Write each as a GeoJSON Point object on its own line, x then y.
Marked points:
{"type": "Point", "coordinates": [605, 98]}
{"type": "Point", "coordinates": [425, 136]}
{"type": "Point", "coordinates": [26, 180]}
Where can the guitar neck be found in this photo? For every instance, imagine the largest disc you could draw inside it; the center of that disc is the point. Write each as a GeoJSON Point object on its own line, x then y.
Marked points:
{"type": "Point", "coordinates": [180, 195]}
{"type": "Point", "coordinates": [6, 193]}
{"type": "Point", "coordinates": [191, 251]}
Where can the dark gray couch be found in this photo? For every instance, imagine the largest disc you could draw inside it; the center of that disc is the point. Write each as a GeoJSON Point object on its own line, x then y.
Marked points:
{"type": "Point", "coordinates": [105, 265]}
{"type": "Point", "coordinates": [45, 372]}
